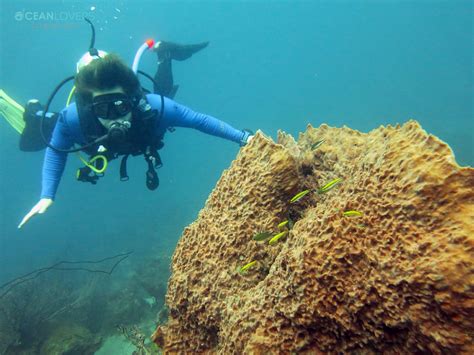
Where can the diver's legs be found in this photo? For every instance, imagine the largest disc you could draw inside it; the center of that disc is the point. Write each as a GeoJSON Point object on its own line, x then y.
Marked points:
{"type": "Point", "coordinates": [30, 139]}
{"type": "Point", "coordinates": [164, 79]}
{"type": "Point", "coordinates": [166, 52]}
{"type": "Point", "coordinates": [170, 50]}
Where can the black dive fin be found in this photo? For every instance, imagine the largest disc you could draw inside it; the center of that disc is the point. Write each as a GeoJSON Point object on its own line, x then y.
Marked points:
{"type": "Point", "coordinates": [30, 139]}
{"type": "Point", "coordinates": [173, 91]}
{"type": "Point", "coordinates": [170, 50]}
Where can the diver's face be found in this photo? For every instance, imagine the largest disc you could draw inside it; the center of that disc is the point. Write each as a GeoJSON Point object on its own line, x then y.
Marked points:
{"type": "Point", "coordinates": [106, 122]}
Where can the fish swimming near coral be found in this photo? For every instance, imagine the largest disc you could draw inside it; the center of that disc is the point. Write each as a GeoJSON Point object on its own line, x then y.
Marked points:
{"type": "Point", "coordinates": [329, 185]}
{"type": "Point", "coordinates": [290, 223]}
{"type": "Point", "coordinates": [244, 268]}
{"type": "Point", "coordinates": [317, 144]}
{"type": "Point", "coordinates": [261, 236]}
{"type": "Point", "coordinates": [277, 237]}
{"type": "Point", "coordinates": [299, 195]}
{"type": "Point", "coordinates": [283, 224]}
{"type": "Point", "coordinates": [352, 213]}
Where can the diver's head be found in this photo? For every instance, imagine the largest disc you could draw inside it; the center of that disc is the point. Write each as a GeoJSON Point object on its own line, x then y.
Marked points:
{"type": "Point", "coordinates": [105, 74]}
{"type": "Point", "coordinates": [109, 90]}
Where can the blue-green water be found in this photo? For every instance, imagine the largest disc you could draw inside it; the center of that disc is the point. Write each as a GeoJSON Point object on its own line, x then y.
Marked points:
{"type": "Point", "coordinates": [270, 65]}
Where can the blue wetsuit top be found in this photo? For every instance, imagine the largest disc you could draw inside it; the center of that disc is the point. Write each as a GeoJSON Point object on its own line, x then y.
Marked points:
{"type": "Point", "coordinates": [67, 132]}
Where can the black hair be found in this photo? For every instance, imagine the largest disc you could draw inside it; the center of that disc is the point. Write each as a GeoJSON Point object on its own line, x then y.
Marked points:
{"type": "Point", "coordinates": [105, 73]}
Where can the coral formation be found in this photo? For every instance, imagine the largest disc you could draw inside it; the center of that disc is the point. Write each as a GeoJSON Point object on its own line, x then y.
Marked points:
{"type": "Point", "coordinates": [396, 277]}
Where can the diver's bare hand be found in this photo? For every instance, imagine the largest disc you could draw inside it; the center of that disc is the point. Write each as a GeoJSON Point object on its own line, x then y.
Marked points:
{"type": "Point", "coordinates": [39, 208]}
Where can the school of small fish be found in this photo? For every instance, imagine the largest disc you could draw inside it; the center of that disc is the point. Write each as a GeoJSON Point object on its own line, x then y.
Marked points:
{"type": "Point", "coordinates": [285, 226]}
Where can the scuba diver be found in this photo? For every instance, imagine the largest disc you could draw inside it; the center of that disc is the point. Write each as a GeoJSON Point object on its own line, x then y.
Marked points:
{"type": "Point", "coordinates": [163, 84]}
{"type": "Point", "coordinates": [114, 116]}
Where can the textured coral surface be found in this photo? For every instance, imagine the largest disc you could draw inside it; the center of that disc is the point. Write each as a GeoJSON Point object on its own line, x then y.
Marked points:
{"type": "Point", "coordinates": [398, 279]}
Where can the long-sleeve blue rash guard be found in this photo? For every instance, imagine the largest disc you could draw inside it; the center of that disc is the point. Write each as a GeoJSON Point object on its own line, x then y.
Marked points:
{"type": "Point", "coordinates": [67, 132]}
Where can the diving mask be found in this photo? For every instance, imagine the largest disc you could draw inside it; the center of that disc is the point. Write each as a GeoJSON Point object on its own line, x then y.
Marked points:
{"type": "Point", "coordinates": [112, 106]}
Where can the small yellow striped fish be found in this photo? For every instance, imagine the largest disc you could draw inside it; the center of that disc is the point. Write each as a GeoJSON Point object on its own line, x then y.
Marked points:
{"type": "Point", "coordinates": [277, 237]}
{"type": "Point", "coordinates": [261, 236]}
{"type": "Point", "coordinates": [352, 213]}
{"type": "Point", "coordinates": [246, 267]}
{"type": "Point", "coordinates": [299, 195]}
{"type": "Point", "coordinates": [317, 144]}
{"type": "Point", "coordinates": [329, 185]}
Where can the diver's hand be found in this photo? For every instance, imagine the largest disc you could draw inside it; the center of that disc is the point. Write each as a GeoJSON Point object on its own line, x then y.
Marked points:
{"type": "Point", "coordinates": [247, 136]}
{"type": "Point", "coordinates": [39, 208]}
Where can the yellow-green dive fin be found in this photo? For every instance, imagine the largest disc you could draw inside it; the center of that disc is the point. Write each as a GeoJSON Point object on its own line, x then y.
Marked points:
{"type": "Point", "coordinates": [12, 111]}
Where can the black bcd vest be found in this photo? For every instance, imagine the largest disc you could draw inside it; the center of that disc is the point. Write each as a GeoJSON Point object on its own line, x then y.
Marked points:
{"type": "Point", "coordinates": [140, 139]}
